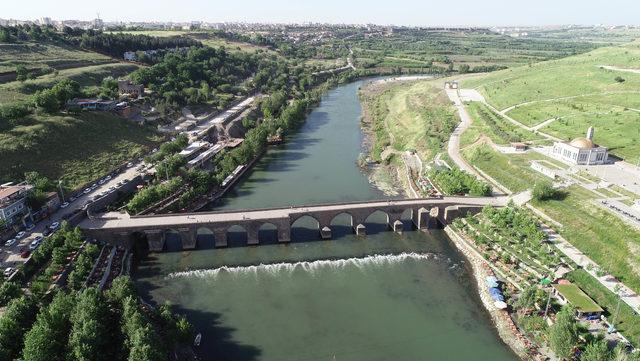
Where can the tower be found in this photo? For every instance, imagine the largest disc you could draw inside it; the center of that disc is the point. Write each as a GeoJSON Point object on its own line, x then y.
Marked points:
{"type": "Point", "coordinates": [590, 132]}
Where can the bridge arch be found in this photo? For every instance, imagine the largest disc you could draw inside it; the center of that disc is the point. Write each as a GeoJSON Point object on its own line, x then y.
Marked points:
{"type": "Point", "coordinates": [341, 224]}
{"type": "Point", "coordinates": [237, 236]}
{"type": "Point", "coordinates": [377, 221]}
{"type": "Point", "coordinates": [305, 228]}
{"type": "Point", "coordinates": [173, 241]}
{"type": "Point", "coordinates": [205, 238]}
{"type": "Point", "coordinates": [268, 233]}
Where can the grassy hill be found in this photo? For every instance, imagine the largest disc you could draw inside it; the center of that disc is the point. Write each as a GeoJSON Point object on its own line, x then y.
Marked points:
{"type": "Point", "coordinates": [39, 55]}
{"type": "Point", "coordinates": [76, 148]}
{"type": "Point", "coordinates": [596, 88]}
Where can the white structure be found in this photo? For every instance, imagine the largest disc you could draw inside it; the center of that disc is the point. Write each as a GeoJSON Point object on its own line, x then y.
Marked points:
{"type": "Point", "coordinates": [581, 151]}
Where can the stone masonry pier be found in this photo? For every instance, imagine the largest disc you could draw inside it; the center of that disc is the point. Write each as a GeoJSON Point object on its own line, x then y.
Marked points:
{"type": "Point", "coordinates": [122, 229]}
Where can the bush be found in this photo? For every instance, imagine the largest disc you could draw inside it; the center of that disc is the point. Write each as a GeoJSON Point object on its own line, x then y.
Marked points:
{"type": "Point", "coordinates": [456, 181]}
{"type": "Point", "coordinates": [544, 191]}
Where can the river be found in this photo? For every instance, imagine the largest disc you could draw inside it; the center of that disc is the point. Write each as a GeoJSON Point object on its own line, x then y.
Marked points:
{"type": "Point", "coordinates": [383, 297]}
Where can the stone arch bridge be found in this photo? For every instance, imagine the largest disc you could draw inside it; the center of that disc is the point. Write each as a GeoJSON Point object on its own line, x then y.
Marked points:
{"type": "Point", "coordinates": [121, 229]}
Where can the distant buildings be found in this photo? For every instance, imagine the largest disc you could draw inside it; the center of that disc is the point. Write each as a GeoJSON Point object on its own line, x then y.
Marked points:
{"type": "Point", "coordinates": [13, 202]}
{"type": "Point", "coordinates": [581, 151]}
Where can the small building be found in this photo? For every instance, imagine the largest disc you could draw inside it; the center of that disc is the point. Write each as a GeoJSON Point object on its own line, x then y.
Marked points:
{"type": "Point", "coordinates": [126, 87]}
{"type": "Point", "coordinates": [581, 151]}
{"type": "Point", "coordinates": [91, 104]}
{"type": "Point", "coordinates": [129, 56]}
{"type": "Point", "coordinates": [585, 307]}
{"type": "Point", "coordinates": [519, 146]}
{"type": "Point", "coordinates": [13, 202]}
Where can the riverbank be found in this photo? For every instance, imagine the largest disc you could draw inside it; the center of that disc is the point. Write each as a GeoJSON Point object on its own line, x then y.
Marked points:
{"type": "Point", "coordinates": [503, 323]}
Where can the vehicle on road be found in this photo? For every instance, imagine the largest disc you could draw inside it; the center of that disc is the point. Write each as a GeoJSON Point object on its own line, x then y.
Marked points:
{"type": "Point", "coordinates": [129, 165]}
{"type": "Point", "coordinates": [101, 181]}
{"type": "Point", "coordinates": [21, 234]}
{"type": "Point", "coordinates": [54, 226]}
{"type": "Point", "coordinates": [46, 232]}
{"type": "Point", "coordinates": [107, 178]}
{"type": "Point", "coordinates": [64, 205]}
{"type": "Point", "coordinates": [94, 186]}
{"type": "Point", "coordinates": [25, 254]}
{"type": "Point", "coordinates": [8, 271]}
{"type": "Point", "coordinates": [30, 226]}
{"type": "Point", "coordinates": [38, 238]}
{"type": "Point", "coordinates": [10, 242]}
{"type": "Point", "coordinates": [87, 190]}
{"type": "Point", "coordinates": [72, 198]}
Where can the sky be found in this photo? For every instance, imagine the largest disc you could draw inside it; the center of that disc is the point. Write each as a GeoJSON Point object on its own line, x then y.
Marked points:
{"type": "Point", "coordinates": [396, 12]}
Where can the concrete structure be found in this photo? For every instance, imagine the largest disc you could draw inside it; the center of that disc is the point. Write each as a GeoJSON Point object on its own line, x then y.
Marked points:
{"type": "Point", "coordinates": [425, 213]}
{"type": "Point", "coordinates": [91, 104]}
{"type": "Point", "coordinates": [128, 88]}
{"type": "Point", "coordinates": [13, 202]}
{"type": "Point", "coordinates": [451, 85]}
{"type": "Point", "coordinates": [581, 151]}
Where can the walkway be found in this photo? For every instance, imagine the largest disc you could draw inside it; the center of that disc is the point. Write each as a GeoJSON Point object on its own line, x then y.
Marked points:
{"type": "Point", "coordinates": [626, 294]}
{"type": "Point", "coordinates": [453, 148]}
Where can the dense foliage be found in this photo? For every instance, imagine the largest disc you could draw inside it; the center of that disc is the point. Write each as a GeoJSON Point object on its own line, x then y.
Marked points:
{"type": "Point", "coordinates": [119, 43]}
{"type": "Point", "coordinates": [456, 181]}
{"type": "Point", "coordinates": [563, 334]}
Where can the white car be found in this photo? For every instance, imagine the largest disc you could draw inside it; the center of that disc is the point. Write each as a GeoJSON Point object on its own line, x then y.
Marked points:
{"type": "Point", "coordinates": [129, 165]}
{"type": "Point", "coordinates": [34, 244]}
{"type": "Point", "coordinates": [64, 205]}
{"type": "Point", "coordinates": [10, 242]}
{"type": "Point", "coordinates": [107, 178]}
{"type": "Point", "coordinates": [101, 181]}
{"type": "Point", "coordinates": [8, 271]}
{"type": "Point", "coordinates": [21, 234]}
{"type": "Point", "coordinates": [54, 226]}
{"type": "Point", "coordinates": [87, 190]}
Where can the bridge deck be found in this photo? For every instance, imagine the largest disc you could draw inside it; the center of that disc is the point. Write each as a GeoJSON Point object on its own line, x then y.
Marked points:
{"type": "Point", "coordinates": [125, 221]}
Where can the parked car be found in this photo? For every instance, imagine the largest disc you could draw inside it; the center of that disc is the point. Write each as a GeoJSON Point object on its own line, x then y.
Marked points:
{"type": "Point", "coordinates": [46, 232]}
{"type": "Point", "coordinates": [30, 226]}
{"type": "Point", "coordinates": [94, 186]}
{"type": "Point", "coordinates": [21, 234]}
{"type": "Point", "coordinates": [33, 245]}
{"type": "Point", "coordinates": [25, 254]}
{"type": "Point", "coordinates": [54, 226]}
{"type": "Point", "coordinates": [8, 271]}
{"type": "Point", "coordinates": [129, 165]}
{"type": "Point", "coordinates": [10, 242]}
{"type": "Point", "coordinates": [64, 205]}
{"type": "Point", "coordinates": [108, 178]}
{"type": "Point", "coordinates": [38, 238]}
{"type": "Point", "coordinates": [101, 181]}
{"type": "Point", "coordinates": [72, 198]}
{"type": "Point", "coordinates": [87, 190]}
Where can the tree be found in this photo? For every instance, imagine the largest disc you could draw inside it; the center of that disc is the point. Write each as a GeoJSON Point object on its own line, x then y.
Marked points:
{"type": "Point", "coordinates": [14, 323]}
{"type": "Point", "coordinates": [544, 190]}
{"type": "Point", "coordinates": [619, 79]}
{"type": "Point", "coordinates": [90, 339]}
{"type": "Point", "coordinates": [563, 335]}
{"type": "Point", "coordinates": [47, 339]}
{"type": "Point", "coordinates": [528, 298]}
{"type": "Point", "coordinates": [8, 291]}
{"type": "Point", "coordinates": [464, 68]}
{"type": "Point", "coordinates": [596, 351]}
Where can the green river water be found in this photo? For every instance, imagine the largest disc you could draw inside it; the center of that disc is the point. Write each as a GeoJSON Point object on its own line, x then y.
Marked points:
{"type": "Point", "coordinates": [381, 297]}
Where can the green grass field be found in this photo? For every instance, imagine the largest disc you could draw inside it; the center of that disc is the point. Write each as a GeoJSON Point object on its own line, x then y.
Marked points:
{"type": "Point", "coordinates": [576, 91]}
{"type": "Point", "coordinates": [76, 148]}
{"type": "Point", "coordinates": [87, 77]}
{"type": "Point", "coordinates": [500, 131]}
{"type": "Point", "coordinates": [37, 56]}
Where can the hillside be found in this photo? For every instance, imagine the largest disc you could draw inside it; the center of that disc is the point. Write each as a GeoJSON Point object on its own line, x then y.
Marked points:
{"type": "Point", "coordinates": [563, 97]}
{"type": "Point", "coordinates": [42, 55]}
{"type": "Point", "coordinates": [76, 148]}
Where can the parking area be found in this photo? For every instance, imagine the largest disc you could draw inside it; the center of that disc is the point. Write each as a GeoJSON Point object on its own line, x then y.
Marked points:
{"type": "Point", "coordinates": [17, 250]}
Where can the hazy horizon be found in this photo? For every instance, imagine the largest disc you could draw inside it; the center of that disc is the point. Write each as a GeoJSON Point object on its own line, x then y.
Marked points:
{"type": "Point", "coordinates": [398, 12]}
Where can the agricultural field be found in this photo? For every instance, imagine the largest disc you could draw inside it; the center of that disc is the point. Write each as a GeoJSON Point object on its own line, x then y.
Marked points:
{"type": "Point", "coordinates": [87, 76]}
{"type": "Point", "coordinates": [75, 148]}
{"type": "Point", "coordinates": [564, 97]}
{"type": "Point", "coordinates": [39, 56]}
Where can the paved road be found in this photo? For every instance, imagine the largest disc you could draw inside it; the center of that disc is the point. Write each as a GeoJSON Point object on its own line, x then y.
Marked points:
{"type": "Point", "coordinates": [119, 220]}
{"type": "Point", "coordinates": [453, 148]}
{"type": "Point", "coordinates": [10, 256]}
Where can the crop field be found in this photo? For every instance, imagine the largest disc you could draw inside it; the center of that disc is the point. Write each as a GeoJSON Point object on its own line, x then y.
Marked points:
{"type": "Point", "coordinates": [37, 56]}
{"type": "Point", "coordinates": [86, 76]}
{"type": "Point", "coordinates": [76, 148]}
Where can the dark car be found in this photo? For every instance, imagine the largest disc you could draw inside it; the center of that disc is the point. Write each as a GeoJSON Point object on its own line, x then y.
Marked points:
{"type": "Point", "coordinates": [25, 254]}
{"type": "Point", "coordinates": [46, 232]}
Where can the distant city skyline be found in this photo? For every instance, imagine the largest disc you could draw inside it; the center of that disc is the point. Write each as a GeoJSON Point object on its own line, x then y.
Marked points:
{"type": "Point", "coordinates": [397, 12]}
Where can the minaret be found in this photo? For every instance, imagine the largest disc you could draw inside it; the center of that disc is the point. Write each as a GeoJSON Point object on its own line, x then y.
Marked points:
{"type": "Point", "coordinates": [590, 132]}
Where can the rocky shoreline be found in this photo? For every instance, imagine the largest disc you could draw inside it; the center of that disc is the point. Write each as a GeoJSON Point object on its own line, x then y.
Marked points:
{"type": "Point", "coordinates": [505, 326]}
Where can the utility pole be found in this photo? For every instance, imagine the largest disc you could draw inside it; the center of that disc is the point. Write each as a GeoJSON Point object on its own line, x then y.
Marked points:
{"type": "Point", "coordinates": [615, 315]}
{"type": "Point", "coordinates": [546, 308]}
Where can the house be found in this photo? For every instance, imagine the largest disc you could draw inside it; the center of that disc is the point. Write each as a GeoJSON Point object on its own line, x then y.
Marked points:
{"type": "Point", "coordinates": [585, 307]}
{"type": "Point", "coordinates": [13, 202]}
{"type": "Point", "coordinates": [91, 104]}
{"type": "Point", "coordinates": [128, 88]}
{"type": "Point", "coordinates": [581, 151]}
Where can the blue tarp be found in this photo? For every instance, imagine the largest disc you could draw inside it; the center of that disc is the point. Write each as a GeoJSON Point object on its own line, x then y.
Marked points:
{"type": "Point", "coordinates": [491, 281]}
{"type": "Point", "coordinates": [496, 294]}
